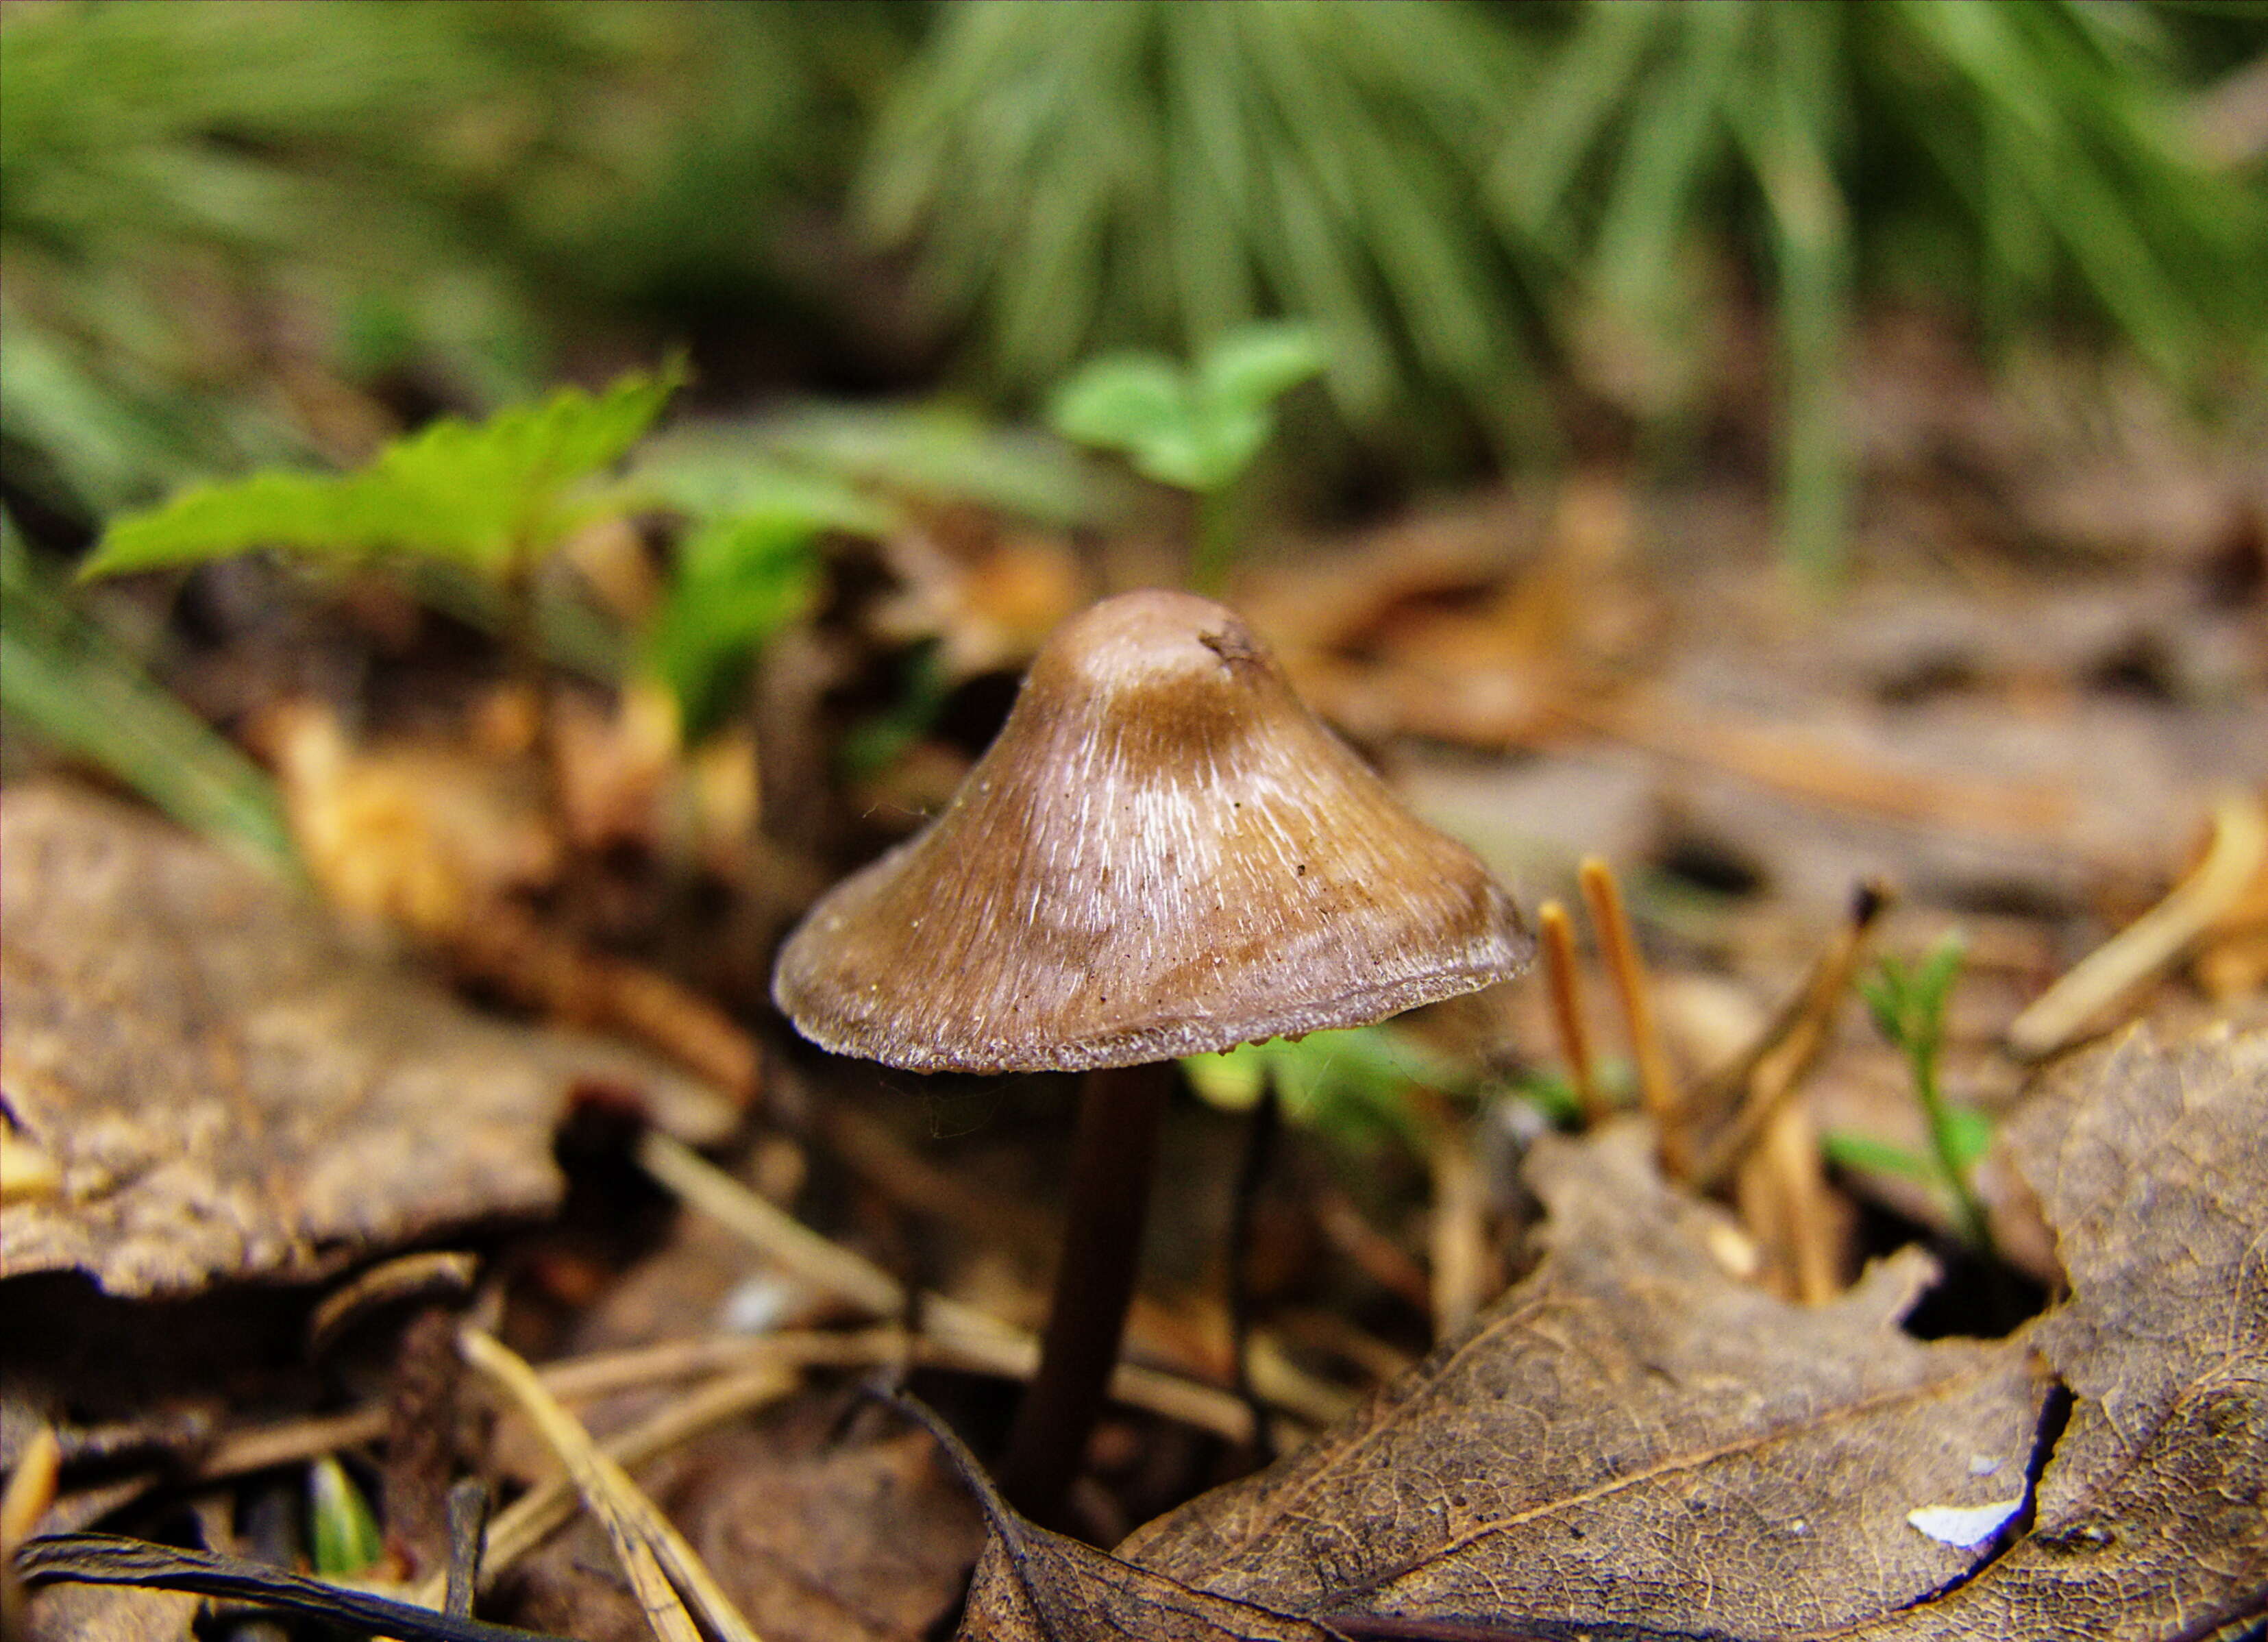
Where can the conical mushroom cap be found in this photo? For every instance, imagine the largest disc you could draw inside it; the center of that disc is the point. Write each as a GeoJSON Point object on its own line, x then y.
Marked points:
{"type": "Point", "coordinates": [1164, 853]}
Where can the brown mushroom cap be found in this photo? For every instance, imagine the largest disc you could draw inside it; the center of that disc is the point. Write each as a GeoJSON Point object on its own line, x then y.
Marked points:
{"type": "Point", "coordinates": [1164, 853]}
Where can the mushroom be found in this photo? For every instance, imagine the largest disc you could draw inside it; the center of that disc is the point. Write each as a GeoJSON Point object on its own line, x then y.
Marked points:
{"type": "Point", "coordinates": [1162, 854]}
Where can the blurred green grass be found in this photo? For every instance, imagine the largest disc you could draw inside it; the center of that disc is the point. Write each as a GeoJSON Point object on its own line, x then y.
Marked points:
{"type": "Point", "coordinates": [221, 222]}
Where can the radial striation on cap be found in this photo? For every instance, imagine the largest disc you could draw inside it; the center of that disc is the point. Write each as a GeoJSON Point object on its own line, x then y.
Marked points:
{"type": "Point", "coordinates": [1164, 853]}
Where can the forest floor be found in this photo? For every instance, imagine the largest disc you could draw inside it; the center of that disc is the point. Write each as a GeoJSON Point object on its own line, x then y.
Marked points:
{"type": "Point", "coordinates": [512, 1076]}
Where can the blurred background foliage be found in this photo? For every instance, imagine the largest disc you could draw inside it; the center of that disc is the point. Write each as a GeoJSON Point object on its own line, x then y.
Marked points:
{"type": "Point", "coordinates": [237, 232]}
{"type": "Point", "coordinates": [228, 226]}
{"type": "Point", "coordinates": [1075, 181]}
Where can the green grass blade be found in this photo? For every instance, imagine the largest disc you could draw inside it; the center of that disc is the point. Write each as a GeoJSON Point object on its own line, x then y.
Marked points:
{"type": "Point", "coordinates": [1786, 135]}
{"type": "Point", "coordinates": [66, 680]}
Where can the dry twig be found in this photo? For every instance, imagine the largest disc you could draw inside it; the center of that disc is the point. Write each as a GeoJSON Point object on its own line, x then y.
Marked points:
{"type": "Point", "coordinates": [951, 1330]}
{"type": "Point", "coordinates": [1774, 1067]}
{"type": "Point", "coordinates": [541, 968]}
{"type": "Point", "coordinates": [664, 1571]}
{"type": "Point", "coordinates": [1561, 975]}
{"type": "Point", "coordinates": [1377, 1255]}
{"type": "Point", "coordinates": [2061, 1015]}
{"type": "Point", "coordinates": [544, 1509]}
{"type": "Point", "coordinates": [1805, 1238]}
{"type": "Point", "coordinates": [1655, 1086]}
{"type": "Point", "coordinates": [31, 1490]}
{"type": "Point", "coordinates": [1814, 770]}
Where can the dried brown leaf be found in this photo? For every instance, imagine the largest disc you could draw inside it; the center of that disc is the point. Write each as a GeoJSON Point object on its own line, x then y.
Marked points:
{"type": "Point", "coordinates": [2151, 1161]}
{"type": "Point", "coordinates": [229, 1090]}
{"type": "Point", "coordinates": [817, 1534]}
{"type": "Point", "coordinates": [1033, 1584]}
{"type": "Point", "coordinates": [828, 1538]}
{"type": "Point", "coordinates": [1633, 1438]}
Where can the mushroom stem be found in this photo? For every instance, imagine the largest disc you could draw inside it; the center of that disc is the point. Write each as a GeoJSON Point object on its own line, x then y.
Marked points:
{"type": "Point", "coordinates": [1112, 1157]}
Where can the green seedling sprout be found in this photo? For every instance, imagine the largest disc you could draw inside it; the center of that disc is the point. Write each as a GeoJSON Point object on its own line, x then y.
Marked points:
{"type": "Point", "coordinates": [492, 501]}
{"type": "Point", "coordinates": [1908, 1003]}
{"type": "Point", "coordinates": [1347, 1084]}
{"type": "Point", "coordinates": [1350, 1085]}
{"type": "Point", "coordinates": [495, 499]}
{"type": "Point", "coordinates": [746, 564]}
{"type": "Point", "coordinates": [1194, 429]}
{"type": "Point", "coordinates": [346, 1540]}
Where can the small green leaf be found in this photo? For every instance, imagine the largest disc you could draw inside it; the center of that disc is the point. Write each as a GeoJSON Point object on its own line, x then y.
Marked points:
{"type": "Point", "coordinates": [1935, 976]}
{"type": "Point", "coordinates": [1196, 431]}
{"type": "Point", "coordinates": [1968, 1134]}
{"type": "Point", "coordinates": [479, 493]}
{"type": "Point", "coordinates": [1847, 1149]}
{"type": "Point", "coordinates": [1884, 992]}
{"type": "Point", "coordinates": [1552, 1093]}
{"type": "Point", "coordinates": [710, 481]}
{"type": "Point", "coordinates": [212, 521]}
{"type": "Point", "coordinates": [1232, 1080]}
{"type": "Point", "coordinates": [346, 1541]}
{"type": "Point", "coordinates": [1223, 440]}
{"type": "Point", "coordinates": [1126, 402]}
{"type": "Point", "coordinates": [1252, 365]}
{"type": "Point", "coordinates": [873, 743]}
{"type": "Point", "coordinates": [1202, 455]}
{"type": "Point", "coordinates": [1908, 1001]}
{"type": "Point", "coordinates": [1348, 1085]}
{"type": "Point", "coordinates": [939, 452]}
{"type": "Point", "coordinates": [738, 582]}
